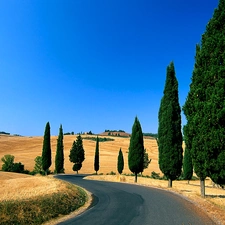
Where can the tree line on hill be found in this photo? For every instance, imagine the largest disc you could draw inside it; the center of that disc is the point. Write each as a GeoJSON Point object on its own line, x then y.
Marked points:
{"type": "Point", "coordinates": [122, 131]}
{"type": "Point", "coordinates": [204, 109]}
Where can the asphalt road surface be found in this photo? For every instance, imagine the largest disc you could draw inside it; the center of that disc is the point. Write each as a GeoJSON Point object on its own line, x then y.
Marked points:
{"type": "Point", "coordinates": [123, 204]}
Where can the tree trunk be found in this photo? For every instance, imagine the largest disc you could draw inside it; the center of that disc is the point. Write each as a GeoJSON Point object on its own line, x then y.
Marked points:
{"type": "Point", "coordinates": [202, 185]}
{"type": "Point", "coordinates": [169, 183]}
{"type": "Point", "coordinates": [135, 178]}
{"type": "Point", "coordinates": [77, 171]}
{"type": "Point", "coordinates": [188, 181]}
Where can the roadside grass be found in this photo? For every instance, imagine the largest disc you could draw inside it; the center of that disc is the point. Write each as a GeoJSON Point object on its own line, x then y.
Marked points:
{"type": "Point", "coordinates": [39, 209]}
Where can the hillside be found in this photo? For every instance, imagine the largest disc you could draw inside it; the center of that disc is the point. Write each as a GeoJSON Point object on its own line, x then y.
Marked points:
{"type": "Point", "coordinates": [25, 149]}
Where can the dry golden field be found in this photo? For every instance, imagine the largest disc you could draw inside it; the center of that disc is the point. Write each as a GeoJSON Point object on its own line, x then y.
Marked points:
{"type": "Point", "coordinates": [15, 186]}
{"type": "Point", "coordinates": [25, 149]}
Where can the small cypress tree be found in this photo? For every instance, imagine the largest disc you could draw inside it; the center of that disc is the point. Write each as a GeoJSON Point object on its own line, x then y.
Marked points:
{"type": "Point", "coordinates": [187, 165]}
{"type": "Point", "coordinates": [46, 151]}
{"type": "Point", "coordinates": [96, 161]}
{"type": "Point", "coordinates": [77, 154]}
{"type": "Point", "coordinates": [169, 130]}
{"type": "Point", "coordinates": [59, 158]}
{"type": "Point", "coordinates": [193, 130]}
{"type": "Point", "coordinates": [136, 149]}
{"type": "Point", "coordinates": [120, 162]}
{"type": "Point", "coordinates": [73, 156]}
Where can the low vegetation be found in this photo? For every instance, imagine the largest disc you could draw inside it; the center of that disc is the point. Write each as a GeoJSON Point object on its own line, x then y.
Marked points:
{"type": "Point", "coordinates": [37, 209]}
{"type": "Point", "coordinates": [99, 139]}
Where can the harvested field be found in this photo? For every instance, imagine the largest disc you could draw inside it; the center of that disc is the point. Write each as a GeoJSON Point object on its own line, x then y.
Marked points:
{"type": "Point", "coordinates": [18, 186]}
{"type": "Point", "coordinates": [25, 149]}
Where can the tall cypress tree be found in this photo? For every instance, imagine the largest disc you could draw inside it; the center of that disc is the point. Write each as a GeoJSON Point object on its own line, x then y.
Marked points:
{"type": "Point", "coordinates": [46, 151]}
{"type": "Point", "coordinates": [207, 97]}
{"type": "Point", "coordinates": [136, 149]}
{"type": "Point", "coordinates": [96, 161]}
{"type": "Point", "coordinates": [77, 155]}
{"type": "Point", "coordinates": [194, 112]}
{"type": "Point", "coordinates": [213, 122]}
{"type": "Point", "coordinates": [59, 158]}
{"type": "Point", "coordinates": [120, 162]}
{"type": "Point", "coordinates": [187, 165]}
{"type": "Point", "coordinates": [169, 129]}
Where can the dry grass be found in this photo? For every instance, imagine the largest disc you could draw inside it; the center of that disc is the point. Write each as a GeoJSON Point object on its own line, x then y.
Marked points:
{"type": "Point", "coordinates": [18, 186]}
{"type": "Point", "coordinates": [25, 149]}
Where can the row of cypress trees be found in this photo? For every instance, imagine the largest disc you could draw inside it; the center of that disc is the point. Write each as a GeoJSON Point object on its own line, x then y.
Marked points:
{"type": "Point", "coordinates": [76, 156]}
{"type": "Point", "coordinates": [46, 158]}
{"type": "Point", "coordinates": [204, 109]}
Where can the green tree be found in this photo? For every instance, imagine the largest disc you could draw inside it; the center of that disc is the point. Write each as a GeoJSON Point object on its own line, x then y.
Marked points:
{"type": "Point", "coordinates": [136, 149]}
{"type": "Point", "coordinates": [187, 165]}
{"type": "Point", "coordinates": [204, 107]}
{"type": "Point", "coordinates": [8, 163]}
{"type": "Point", "coordinates": [169, 129]}
{"type": "Point", "coordinates": [120, 162]}
{"type": "Point", "coordinates": [38, 165]}
{"type": "Point", "coordinates": [77, 154]}
{"type": "Point", "coordinates": [59, 158]}
{"type": "Point", "coordinates": [18, 167]}
{"type": "Point", "coordinates": [96, 161]}
{"type": "Point", "coordinates": [193, 130]}
{"type": "Point", "coordinates": [46, 151]}
{"type": "Point", "coordinates": [146, 160]}
{"type": "Point", "coordinates": [213, 123]}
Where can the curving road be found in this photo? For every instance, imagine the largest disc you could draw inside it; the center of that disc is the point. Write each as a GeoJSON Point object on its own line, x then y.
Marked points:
{"type": "Point", "coordinates": [123, 204]}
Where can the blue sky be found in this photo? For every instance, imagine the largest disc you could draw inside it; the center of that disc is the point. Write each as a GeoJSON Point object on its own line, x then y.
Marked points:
{"type": "Point", "coordinates": [93, 64]}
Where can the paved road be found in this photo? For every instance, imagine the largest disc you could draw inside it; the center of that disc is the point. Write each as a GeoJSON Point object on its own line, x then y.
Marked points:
{"type": "Point", "coordinates": [123, 204]}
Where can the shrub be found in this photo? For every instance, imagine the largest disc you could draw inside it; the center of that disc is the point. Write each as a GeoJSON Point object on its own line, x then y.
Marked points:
{"type": "Point", "coordinates": [9, 165]}
{"type": "Point", "coordinates": [155, 175]}
{"type": "Point", "coordinates": [8, 162]}
{"type": "Point", "coordinates": [18, 167]}
{"type": "Point", "coordinates": [111, 173]}
{"type": "Point", "coordinates": [38, 165]}
{"type": "Point", "coordinates": [99, 139]}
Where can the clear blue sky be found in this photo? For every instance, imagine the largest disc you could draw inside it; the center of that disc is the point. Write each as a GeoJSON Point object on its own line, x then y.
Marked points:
{"type": "Point", "coordinates": [93, 64]}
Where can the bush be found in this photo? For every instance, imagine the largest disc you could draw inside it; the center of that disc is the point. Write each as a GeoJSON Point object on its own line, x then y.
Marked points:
{"type": "Point", "coordinates": [155, 175]}
{"type": "Point", "coordinates": [8, 162]}
{"type": "Point", "coordinates": [99, 139]}
{"type": "Point", "coordinates": [38, 166]}
{"type": "Point", "coordinates": [9, 165]}
{"type": "Point", "coordinates": [18, 167]}
{"type": "Point", "coordinates": [111, 173]}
